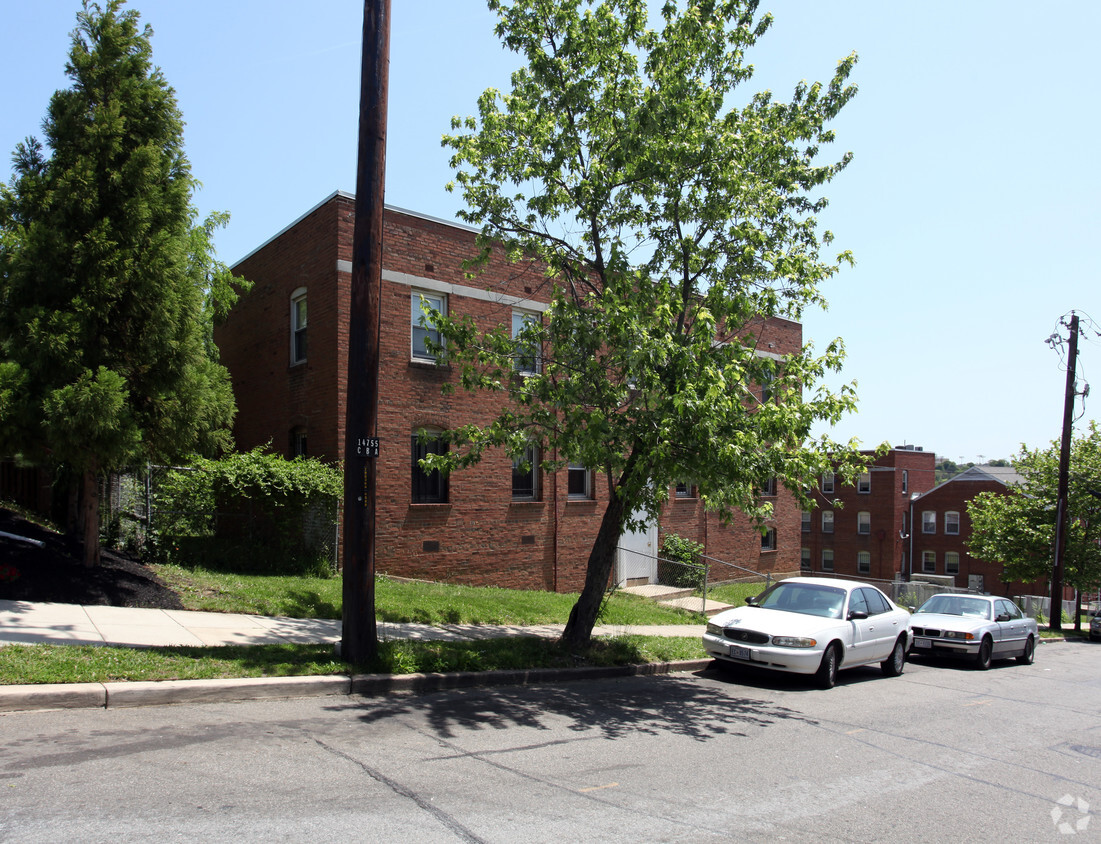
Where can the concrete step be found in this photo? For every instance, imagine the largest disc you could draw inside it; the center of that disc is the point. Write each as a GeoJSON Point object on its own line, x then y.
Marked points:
{"type": "Point", "coordinates": [655, 592]}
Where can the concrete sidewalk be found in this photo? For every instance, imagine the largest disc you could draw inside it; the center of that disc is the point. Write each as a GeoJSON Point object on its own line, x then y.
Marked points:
{"type": "Point", "coordinates": [23, 622]}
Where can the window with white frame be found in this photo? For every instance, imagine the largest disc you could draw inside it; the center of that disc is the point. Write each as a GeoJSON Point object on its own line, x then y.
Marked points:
{"type": "Point", "coordinates": [952, 522]}
{"type": "Point", "coordinates": [827, 559]}
{"type": "Point", "coordinates": [298, 326]}
{"type": "Point", "coordinates": [525, 475]}
{"type": "Point", "coordinates": [804, 559]}
{"type": "Point", "coordinates": [863, 562]}
{"type": "Point", "coordinates": [684, 490]}
{"type": "Point", "coordinates": [526, 354]}
{"type": "Point", "coordinates": [864, 483]}
{"type": "Point", "coordinates": [805, 521]}
{"type": "Point", "coordinates": [827, 482]}
{"type": "Point", "coordinates": [827, 521]}
{"type": "Point", "coordinates": [929, 561]}
{"type": "Point", "coordinates": [864, 522]}
{"type": "Point", "coordinates": [928, 521]}
{"type": "Point", "coordinates": [579, 481]}
{"type": "Point", "coordinates": [768, 540]}
{"type": "Point", "coordinates": [905, 481]}
{"type": "Point", "coordinates": [423, 331]}
{"type": "Point", "coordinates": [951, 562]}
{"type": "Point", "coordinates": [429, 487]}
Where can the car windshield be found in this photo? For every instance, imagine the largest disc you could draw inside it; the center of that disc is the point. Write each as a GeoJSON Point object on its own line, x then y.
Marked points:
{"type": "Point", "coordinates": [957, 605]}
{"type": "Point", "coordinates": [806, 598]}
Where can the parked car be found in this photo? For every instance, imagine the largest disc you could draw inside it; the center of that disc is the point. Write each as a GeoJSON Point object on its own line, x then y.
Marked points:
{"type": "Point", "coordinates": [1095, 627]}
{"type": "Point", "coordinates": [977, 627]}
{"type": "Point", "coordinates": [813, 625]}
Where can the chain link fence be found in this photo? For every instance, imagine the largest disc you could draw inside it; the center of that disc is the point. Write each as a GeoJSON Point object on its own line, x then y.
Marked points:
{"type": "Point", "coordinates": [138, 518]}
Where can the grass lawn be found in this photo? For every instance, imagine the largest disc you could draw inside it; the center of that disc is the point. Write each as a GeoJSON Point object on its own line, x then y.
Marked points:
{"type": "Point", "coordinates": [399, 600]}
{"type": "Point", "coordinates": [34, 664]}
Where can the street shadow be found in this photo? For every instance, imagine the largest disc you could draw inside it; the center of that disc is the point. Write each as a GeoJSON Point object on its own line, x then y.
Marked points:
{"type": "Point", "coordinates": [613, 708]}
{"type": "Point", "coordinates": [761, 678]}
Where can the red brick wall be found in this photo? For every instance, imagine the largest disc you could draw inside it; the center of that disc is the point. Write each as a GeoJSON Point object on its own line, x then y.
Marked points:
{"type": "Point", "coordinates": [481, 536]}
{"type": "Point", "coordinates": [954, 495]}
{"type": "Point", "coordinates": [888, 507]}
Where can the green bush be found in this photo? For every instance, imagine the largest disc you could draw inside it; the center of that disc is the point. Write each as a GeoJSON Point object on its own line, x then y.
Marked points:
{"type": "Point", "coordinates": [250, 512]}
{"type": "Point", "coordinates": [684, 569]}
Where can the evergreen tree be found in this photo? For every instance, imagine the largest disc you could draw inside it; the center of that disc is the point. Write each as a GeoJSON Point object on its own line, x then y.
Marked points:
{"type": "Point", "coordinates": [108, 283]}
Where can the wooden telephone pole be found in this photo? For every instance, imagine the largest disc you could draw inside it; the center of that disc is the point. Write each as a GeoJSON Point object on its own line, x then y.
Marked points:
{"type": "Point", "coordinates": [359, 640]}
{"type": "Point", "coordinates": [1064, 479]}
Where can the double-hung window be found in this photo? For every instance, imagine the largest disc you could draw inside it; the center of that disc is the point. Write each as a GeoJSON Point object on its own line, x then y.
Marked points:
{"type": "Point", "coordinates": [429, 487]}
{"type": "Point", "coordinates": [827, 521]}
{"type": "Point", "coordinates": [768, 540]}
{"type": "Point", "coordinates": [864, 523]}
{"type": "Point", "coordinates": [805, 519]}
{"type": "Point", "coordinates": [929, 561]}
{"type": "Point", "coordinates": [298, 326]}
{"type": "Point", "coordinates": [929, 521]}
{"type": "Point", "coordinates": [863, 562]}
{"type": "Point", "coordinates": [525, 475]}
{"type": "Point", "coordinates": [526, 354]}
{"type": "Point", "coordinates": [864, 483]}
{"type": "Point", "coordinates": [827, 483]}
{"type": "Point", "coordinates": [951, 562]}
{"type": "Point", "coordinates": [827, 559]}
{"type": "Point", "coordinates": [952, 522]}
{"type": "Point", "coordinates": [424, 332]}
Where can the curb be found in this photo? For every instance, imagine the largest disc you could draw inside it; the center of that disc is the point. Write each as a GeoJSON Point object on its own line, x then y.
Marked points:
{"type": "Point", "coordinates": [168, 692]}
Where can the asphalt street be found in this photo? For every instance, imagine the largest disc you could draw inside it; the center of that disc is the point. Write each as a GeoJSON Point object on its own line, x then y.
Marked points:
{"type": "Point", "coordinates": [942, 753]}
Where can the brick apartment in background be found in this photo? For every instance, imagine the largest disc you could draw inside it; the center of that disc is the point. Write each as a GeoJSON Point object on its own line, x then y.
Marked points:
{"type": "Point", "coordinates": [861, 531]}
{"type": "Point", "coordinates": [942, 528]}
{"type": "Point", "coordinates": [285, 345]}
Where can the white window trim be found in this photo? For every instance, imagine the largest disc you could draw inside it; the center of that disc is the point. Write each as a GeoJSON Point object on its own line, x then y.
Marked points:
{"type": "Point", "coordinates": [926, 522]}
{"type": "Point", "coordinates": [298, 295]}
{"type": "Point", "coordinates": [536, 475]}
{"type": "Point", "coordinates": [830, 567]}
{"type": "Point", "coordinates": [864, 525]}
{"type": "Point", "coordinates": [863, 562]}
{"type": "Point", "coordinates": [535, 317]}
{"type": "Point", "coordinates": [828, 486]}
{"type": "Point", "coordinates": [948, 524]}
{"type": "Point", "coordinates": [414, 299]}
{"type": "Point", "coordinates": [588, 493]}
{"type": "Point", "coordinates": [827, 516]}
{"type": "Point", "coordinates": [865, 481]}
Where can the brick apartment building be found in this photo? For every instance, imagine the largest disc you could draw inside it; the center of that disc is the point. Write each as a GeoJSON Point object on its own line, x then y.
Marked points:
{"type": "Point", "coordinates": [942, 529]}
{"type": "Point", "coordinates": [861, 531]}
{"type": "Point", "coordinates": [285, 345]}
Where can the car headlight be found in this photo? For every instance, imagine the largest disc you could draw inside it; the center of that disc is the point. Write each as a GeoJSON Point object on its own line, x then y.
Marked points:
{"type": "Point", "coordinates": [794, 642]}
{"type": "Point", "coordinates": [955, 634]}
{"type": "Point", "coordinates": [714, 629]}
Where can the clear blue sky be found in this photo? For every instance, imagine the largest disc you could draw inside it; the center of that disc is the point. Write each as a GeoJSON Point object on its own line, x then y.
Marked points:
{"type": "Point", "coordinates": [971, 203]}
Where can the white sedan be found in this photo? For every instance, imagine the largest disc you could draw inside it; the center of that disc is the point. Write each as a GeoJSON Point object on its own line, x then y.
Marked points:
{"type": "Point", "coordinates": [813, 625]}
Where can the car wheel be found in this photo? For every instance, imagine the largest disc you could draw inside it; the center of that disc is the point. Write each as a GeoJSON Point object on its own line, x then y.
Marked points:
{"type": "Point", "coordinates": [826, 676]}
{"type": "Point", "coordinates": [986, 651]}
{"type": "Point", "coordinates": [1028, 655]}
{"type": "Point", "coordinates": [893, 665]}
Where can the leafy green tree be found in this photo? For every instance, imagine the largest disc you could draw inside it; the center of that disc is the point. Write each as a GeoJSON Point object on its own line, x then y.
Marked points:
{"type": "Point", "coordinates": [669, 222]}
{"type": "Point", "coordinates": [108, 283]}
{"type": "Point", "coordinates": [1017, 529]}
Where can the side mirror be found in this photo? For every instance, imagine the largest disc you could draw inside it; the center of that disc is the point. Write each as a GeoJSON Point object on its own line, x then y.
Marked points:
{"type": "Point", "coordinates": [751, 600]}
{"type": "Point", "coordinates": [1002, 617]}
{"type": "Point", "coordinates": [912, 610]}
{"type": "Point", "coordinates": [856, 615]}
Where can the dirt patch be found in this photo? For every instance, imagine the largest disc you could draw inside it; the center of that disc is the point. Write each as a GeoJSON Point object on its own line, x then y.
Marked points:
{"type": "Point", "coordinates": [53, 572]}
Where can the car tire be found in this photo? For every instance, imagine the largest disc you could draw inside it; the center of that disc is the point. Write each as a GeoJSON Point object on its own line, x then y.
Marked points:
{"type": "Point", "coordinates": [892, 666]}
{"type": "Point", "coordinates": [985, 654]}
{"type": "Point", "coordinates": [1028, 655]}
{"type": "Point", "coordinates": [826, 676]}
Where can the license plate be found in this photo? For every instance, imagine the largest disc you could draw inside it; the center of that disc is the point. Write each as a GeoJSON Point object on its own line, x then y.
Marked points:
{"type": "Point", "coordinates": [922, 643]}
{"type": "Point", "coordinates": [740, 653]}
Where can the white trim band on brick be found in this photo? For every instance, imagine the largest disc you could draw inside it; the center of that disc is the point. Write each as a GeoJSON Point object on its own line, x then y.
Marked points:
{"type": "Point", "coordinates": [453, 289]}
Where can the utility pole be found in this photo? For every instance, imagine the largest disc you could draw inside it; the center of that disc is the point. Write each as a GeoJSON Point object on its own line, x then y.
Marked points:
{"type": "Point", "coordinates": [1064, 480]}
{"type": "Point", "coordinates": [359, 640]}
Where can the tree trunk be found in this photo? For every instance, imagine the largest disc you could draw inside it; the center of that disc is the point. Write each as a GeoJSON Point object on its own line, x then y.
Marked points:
{"type": "Point", "coordinates": [90, 504]}
{"type": "Point", "coordinates": [579, 627]}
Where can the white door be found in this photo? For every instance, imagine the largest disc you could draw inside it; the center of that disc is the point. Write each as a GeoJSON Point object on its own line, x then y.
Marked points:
{"type": "Point", "coordinates": [637, 557]}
